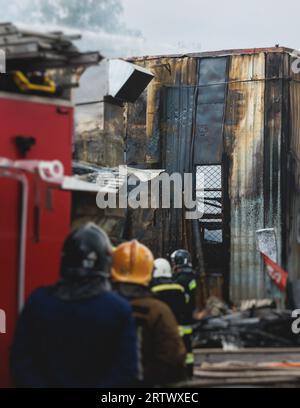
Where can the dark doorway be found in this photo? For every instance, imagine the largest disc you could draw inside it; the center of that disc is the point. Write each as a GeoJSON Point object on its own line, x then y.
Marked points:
{"type": "Point", "coordinates": [214, 224]}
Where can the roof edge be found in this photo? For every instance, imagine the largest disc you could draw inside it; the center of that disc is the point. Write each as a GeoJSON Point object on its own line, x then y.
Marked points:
{"type": "Point", "coordinates": [221, 53]}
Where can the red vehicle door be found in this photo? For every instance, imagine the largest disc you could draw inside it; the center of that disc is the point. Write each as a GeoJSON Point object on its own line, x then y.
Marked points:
{"type": "Point", "coordinates": [31, 129]}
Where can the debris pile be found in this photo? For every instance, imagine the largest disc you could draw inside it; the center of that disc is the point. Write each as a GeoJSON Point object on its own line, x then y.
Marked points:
{"type": "Point", "coordinates": [255, 324]}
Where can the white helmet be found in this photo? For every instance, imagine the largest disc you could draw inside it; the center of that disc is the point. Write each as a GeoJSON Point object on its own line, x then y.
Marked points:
{"type": "Point", "coordinates": [162, 269]}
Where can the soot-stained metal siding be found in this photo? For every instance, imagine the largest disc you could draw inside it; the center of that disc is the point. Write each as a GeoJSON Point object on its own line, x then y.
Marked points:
{"type": "Point", "coordinates": [158, 133]}
{"type": "Point", "coordinates": [176, 124]}
{"type": "Point", "coordinates": [241, 109]}
{"type": "Point", "coordinates": [245, 140]}
{"type": "Point", "coordinates": [275, 153]}
{"type": "Point", "coordinates": [292, 178]}
{"type": "Point", "coordinates": [143, 126]}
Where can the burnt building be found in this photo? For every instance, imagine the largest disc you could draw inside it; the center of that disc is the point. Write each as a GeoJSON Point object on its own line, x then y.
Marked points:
{"type": "Point", "coordinates": [234, 116]}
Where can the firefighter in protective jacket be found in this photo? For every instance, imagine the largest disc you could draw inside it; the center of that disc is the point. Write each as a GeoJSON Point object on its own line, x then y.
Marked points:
{"type": "Point", "coordinates": [161, 350]}
{"type": "Point", "coordinates": [185, 276]}
{"type": "Point", "coordinates": [77, 333]}
{"type": "Point", "coordinates": [165, 289]}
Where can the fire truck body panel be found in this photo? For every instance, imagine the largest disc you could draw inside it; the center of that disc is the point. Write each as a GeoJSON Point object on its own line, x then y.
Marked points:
{"type": "Point", "coordinates": [47, 125]}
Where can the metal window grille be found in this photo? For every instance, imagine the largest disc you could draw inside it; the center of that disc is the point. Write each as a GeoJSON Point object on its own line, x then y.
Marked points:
{"type": "Point", "coordinates": [211, 222]}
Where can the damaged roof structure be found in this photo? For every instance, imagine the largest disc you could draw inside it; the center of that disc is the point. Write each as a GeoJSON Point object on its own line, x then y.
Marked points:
{"type": "Point", "coordinates": [234, 116]}
{"type": "Point", "coordinates": [30, 50]}
{"type": "Point", "coordinates": [32, 58]}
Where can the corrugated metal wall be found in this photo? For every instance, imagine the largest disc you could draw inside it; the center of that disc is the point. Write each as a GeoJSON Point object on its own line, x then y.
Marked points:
{"type": "Point", "coordinates": [143, 123]}
{"type": "Point", "coordinates": [180, 122]}
{"type": "Point", "coordinates": [253, 135]}
{"type": "Point", "coordinates": [165, 108]}
{"type": "Point", "coordinates": [244, 136]}
{"type": "Point", "coordinates": [176, 125]}
{"type": "Point", "coordinates": [293, 180]}
{"type": "Point", "coordinates": [275, 156]}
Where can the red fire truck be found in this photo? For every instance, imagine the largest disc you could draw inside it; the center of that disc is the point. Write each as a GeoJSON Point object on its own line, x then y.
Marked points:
{"type": "Point", "coordinates": [36, 118]}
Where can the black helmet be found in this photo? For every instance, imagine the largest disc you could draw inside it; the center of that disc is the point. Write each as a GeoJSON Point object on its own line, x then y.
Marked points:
{"type": "Point", "coordinates": [181, 257]}
{"type": "Point", "coordinates": [87, 252]}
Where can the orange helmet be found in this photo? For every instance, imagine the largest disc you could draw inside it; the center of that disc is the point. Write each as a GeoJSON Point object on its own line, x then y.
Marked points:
{"type": "Point", "coordinates": [132, 263]}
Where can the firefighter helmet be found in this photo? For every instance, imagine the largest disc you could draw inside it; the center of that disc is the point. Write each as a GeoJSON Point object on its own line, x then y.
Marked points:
{"type": "Point", "coordinates": [87, 252]}
{"type": "Point", "coordinates": [180, 258]}
{"type": "Point", "coordinates": [162, 269]}
{"type": "Point", "coordinates": [132, 263]}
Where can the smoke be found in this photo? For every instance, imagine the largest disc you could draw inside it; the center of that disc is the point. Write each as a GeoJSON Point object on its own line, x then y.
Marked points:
{"type": "Point", "coordinates": [99, 21]}
{"type": "Point", "coordinates": [90, 14]}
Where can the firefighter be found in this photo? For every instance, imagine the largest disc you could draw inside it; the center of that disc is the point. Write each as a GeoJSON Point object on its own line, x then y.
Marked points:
{"type": "Point", "coordinates": [161, 350]}
{"type": "Point", "coordinates": [77, 333]}
{"type": "Point", "coordinates": [165, 289]}
{"type": "Point", "coordinates": [185, 276]}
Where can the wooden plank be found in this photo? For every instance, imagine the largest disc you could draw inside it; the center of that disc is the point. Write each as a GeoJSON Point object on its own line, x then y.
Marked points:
{"type": "Point", "coordinates": [241, 366]}
{"type": "Point", "coordinates": [247, 374]}
{"type": "Point", "coordinates": [260, 350]}
{"type": "Point", "coordinates": [230, 382]}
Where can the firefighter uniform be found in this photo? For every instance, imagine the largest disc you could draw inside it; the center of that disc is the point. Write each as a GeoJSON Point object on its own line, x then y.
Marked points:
{"type": "Point", "coordinates": [173, 295]}
{"type": "Point", "coordinates": [185, 276]}
{"type": "Point", "coordinates": [161, 351]}
{"type": "Point", "coordinates": [77, 333]}
{"type": "Point", "coordinates": [187, 279]}
{"type": "Point", "coordinates": [166, 290]}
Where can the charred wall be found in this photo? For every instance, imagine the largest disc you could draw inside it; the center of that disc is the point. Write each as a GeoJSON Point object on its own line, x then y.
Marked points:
{"type": "Point", "coordinates": [238, 110]}
{"type": "Point", "coordinates": [292, 177]}
{"type": "Point", "coordinates": [231, 110]}
{"type": "Point", "coordinates": [100, 134]}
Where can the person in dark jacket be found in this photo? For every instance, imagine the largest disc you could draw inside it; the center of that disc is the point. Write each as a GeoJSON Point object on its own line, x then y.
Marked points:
{"type": "Point", "coordinates": [160, 348]}
{"type": "Point", "coordinates": [185, 276]}
{"type": "Point", "coordinates": [77, 333]}
{"type": "Point", "coordinates": [165, 289]}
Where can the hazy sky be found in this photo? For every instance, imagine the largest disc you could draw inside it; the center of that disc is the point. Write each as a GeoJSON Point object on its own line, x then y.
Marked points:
{"type": "Point", "coordinates": [195, 25]}
{"type": "Point", "coordinates": [175, 26]}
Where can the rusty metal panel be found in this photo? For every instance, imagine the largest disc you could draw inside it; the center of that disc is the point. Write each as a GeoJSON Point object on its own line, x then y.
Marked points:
{"type": "Point", "coordinates": [293, 219]}
{"type": "Point", "coordinates": [167, 72]}
{"type": "Point", "coordinates": [186, 100]}
{"type": "Point", "coordinates": [143, 132]}
{"type": "Point", "coordinates": [244, 135]}
{"type": "Point", "coordinates": [274, 154]}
